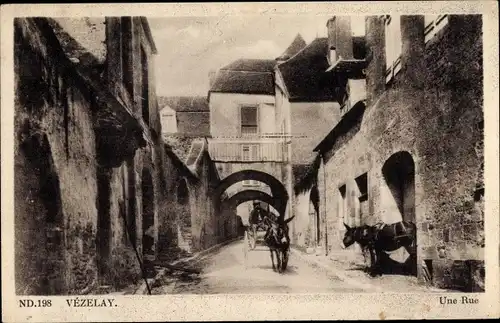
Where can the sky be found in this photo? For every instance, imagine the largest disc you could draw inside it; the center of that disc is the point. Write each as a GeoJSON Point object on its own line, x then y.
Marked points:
{"type": "Point", "coordinates": [190, 47]}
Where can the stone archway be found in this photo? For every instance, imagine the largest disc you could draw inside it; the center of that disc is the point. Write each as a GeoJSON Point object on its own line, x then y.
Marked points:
{"type": "Point", "coordinates": [399, 174]}
{"type": "Point", "coordinates": [278, 190]}
{"type": "Point", "coordinates": [249, 195]}
{"type": "Point", "coordinates": [148, 220]}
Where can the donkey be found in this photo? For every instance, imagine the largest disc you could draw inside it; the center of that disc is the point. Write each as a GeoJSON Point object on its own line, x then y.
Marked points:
{"type": "Point", "coordinates": [278, 240]}
{"type": "Point", "coordinates": [380, 238]}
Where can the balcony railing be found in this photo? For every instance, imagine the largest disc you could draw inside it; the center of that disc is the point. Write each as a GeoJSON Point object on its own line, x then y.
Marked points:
{"type": "Point", "coordinates": [246, 150]}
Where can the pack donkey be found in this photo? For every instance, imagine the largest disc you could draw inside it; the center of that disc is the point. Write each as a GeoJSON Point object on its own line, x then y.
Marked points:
{"type": "Point", "coordinates": [278, 240]}
{"type": "Point", "coordinates": [381, 238]}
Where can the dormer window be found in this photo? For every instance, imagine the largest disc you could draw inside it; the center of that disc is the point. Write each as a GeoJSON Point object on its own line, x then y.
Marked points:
{"type": "Point", "coordinates": [393, 45]}
{"type": "Point", "coordinates": [168, 120]}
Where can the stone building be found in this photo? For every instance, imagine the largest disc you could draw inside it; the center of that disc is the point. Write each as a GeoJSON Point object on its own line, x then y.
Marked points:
{"type": "Point", "coordinates": [94, 182]}
{"type": "Point", "coordinates": [185, 127]}
{"type": "Point", "coordinates": [243, 140]}
{"type": "Point", "coordinates": [187, 116]}
{"type": "Point", "coordinates": [412, 147]}
{"type": "Point", "coordinates": [306, 109]}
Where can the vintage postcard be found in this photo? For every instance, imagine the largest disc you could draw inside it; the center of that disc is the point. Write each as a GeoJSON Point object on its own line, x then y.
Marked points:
{"type": "Point", "coordinates": [250, 161]}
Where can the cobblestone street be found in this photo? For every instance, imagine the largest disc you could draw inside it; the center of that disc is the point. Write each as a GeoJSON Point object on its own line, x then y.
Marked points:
{"type": "Point", "coordinates": [225, 271]}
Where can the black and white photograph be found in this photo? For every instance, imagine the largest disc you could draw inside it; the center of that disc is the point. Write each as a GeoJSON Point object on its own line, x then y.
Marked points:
{"type": "Point", "coordinates": [257, 153]}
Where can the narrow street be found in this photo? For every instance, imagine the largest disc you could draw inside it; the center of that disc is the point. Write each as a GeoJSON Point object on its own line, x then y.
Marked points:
{"type": "Point", "coordinates": [225, 272]}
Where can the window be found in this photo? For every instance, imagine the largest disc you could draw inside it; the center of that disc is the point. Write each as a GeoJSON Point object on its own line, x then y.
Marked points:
{"type": "Point", "coordinates": [362, 183]}
{"type": "Point", "coordinates": [433, 24]}
{"type": "Point", "coordinates": [249, 123]}
{"type": "Point", "coordinates": [393, 45]}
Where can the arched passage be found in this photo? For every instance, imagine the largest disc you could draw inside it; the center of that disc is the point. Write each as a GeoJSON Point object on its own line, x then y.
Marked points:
{"type": "Point", "coordinates": [148, 220]}
{"type": "Point", "coordinates": [249, 195]}
{"type": "Point", "coordinates": [399, 174]}
{"type": "Point", "coordinates": [278, 190]}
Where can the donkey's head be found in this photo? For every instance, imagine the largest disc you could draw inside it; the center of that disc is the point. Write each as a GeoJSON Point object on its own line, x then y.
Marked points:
{"type": "Point", "coordinates": [279, 231]}
{"type": "Point", "coordinates": [349, 237]}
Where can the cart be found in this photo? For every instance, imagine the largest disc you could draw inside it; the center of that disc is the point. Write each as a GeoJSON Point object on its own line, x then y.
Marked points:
{"type": "Point", "coordinates": [254, 235]}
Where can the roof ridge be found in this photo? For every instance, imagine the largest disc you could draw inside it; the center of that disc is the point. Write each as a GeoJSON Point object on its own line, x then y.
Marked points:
{"type": "Point", "coordinates": [307, 46]}
{"type": "Point", "coordinates": [298, 38]}
{"type": "Point", "coordinates": [243, 71]}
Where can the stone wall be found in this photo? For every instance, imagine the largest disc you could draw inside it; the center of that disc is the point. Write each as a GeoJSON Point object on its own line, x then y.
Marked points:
{"type": "Point", "coordinates": [431, 116]}
{"type": "Point", "coordinates": [56, 221]}
{"type": "Point", "coordinates": [310, 123]}
{"type": "Point", "coordinates": [89, 216]}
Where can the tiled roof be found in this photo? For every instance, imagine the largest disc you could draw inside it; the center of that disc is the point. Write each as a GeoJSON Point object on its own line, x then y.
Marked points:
{"type": "Point", "coordinates": [296, 46]}
{"type": "Point", "coordinates": [305, 77]}
{"type": "Point", "coordinates": [185, 103]}
{"type": "Point", "coordinates": [82, 41]}
{"type": "Point", "coordinates": [246, 76]}
{"type": "Point", "coordinates": [251, 65]}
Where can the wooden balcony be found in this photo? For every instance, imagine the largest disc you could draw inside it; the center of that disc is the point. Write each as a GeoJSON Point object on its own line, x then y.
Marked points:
{"type": "Point", "coordinates": [246, 150]}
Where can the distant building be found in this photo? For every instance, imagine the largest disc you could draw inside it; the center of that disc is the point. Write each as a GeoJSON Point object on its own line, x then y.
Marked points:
{"type": "Point", "coordinates": [184, 119]}
{"type": "Point", "coordinates": [242, 124]}
{"type": "Point", "coordinates": [185, 116]}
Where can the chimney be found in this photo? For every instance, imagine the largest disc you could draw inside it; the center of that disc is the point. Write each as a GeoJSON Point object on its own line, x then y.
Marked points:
{"type": "Point", "coordinates": [211, 78]}
{"type": "Point", "coordinates": [375, 70]}
{"type": "Point", "coordinates": [339, 38]}
{"type": "Point", "coordinates": [413, 49]}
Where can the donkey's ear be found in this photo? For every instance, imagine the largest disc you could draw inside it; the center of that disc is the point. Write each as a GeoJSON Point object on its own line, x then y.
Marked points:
{"type": "Point", "coordinates": [346, 226]}
{"type": "Point", "coordinates": [289, 219]}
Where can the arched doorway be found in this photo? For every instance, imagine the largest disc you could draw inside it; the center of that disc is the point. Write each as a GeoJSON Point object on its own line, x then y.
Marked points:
{"type": "Point", "coordinates": [399, 174]}
{"type": "Point", "coordinates": [148, 220]}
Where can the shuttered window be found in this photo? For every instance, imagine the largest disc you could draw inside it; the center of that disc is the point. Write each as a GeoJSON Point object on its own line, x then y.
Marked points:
{"type": "Point", "coordinates": [249, 119]}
